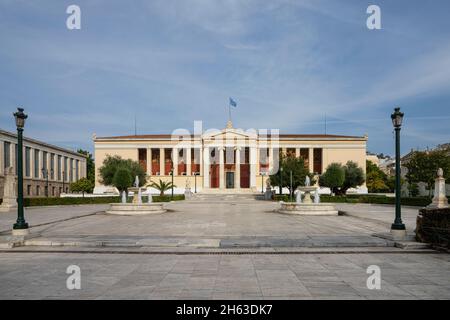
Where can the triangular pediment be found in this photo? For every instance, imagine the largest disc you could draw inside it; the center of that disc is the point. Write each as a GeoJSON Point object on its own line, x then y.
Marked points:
{"type": "Point", "coordinates": [230, 134]}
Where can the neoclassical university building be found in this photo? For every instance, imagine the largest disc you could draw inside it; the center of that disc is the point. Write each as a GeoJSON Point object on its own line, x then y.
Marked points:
{"type": "Point", "coordinates": [48, 170]}
{"type": "Point", "coordinates": [228, 160]}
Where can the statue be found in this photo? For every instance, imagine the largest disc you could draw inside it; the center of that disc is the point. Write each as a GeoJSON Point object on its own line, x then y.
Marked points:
{"type": "Point", "coordinates": [187, 190]}
{"type": "Point", "coordinates": [298, 196]}
{"type": "Point", "coordinates": [307, 181]}
{"type": "Point", "coordinates": [317, 196]}
{"type": "Point", "coordinates": [124, 197]}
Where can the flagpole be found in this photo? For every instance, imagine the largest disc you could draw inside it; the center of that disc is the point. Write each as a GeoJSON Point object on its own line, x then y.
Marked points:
{"type": "Point", "coordinates": [229, 112]}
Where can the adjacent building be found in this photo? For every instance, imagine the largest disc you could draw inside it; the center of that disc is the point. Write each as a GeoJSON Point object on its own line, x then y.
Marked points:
{"type": "Point", "coordinates": [229, 160]}
{"type": "Point", "coordinates": [48, 170]}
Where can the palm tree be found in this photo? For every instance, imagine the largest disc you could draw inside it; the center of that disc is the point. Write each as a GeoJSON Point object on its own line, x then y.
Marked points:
{"type": "Point", "coordinates": [162, 186]}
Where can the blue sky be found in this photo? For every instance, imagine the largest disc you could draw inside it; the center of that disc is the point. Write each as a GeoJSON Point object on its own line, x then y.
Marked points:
{"type": "Point", "coordinates": [286, 63]}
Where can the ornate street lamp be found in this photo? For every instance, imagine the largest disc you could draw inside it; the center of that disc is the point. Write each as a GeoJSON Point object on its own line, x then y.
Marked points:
{"type": "Point", "coordinates": [21, 226]}
{"type": "Point", "coordinates": [398, 229]}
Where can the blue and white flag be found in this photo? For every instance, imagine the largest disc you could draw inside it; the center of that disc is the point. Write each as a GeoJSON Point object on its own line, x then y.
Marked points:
{"type": "Point", "coordinates": [233, 103]}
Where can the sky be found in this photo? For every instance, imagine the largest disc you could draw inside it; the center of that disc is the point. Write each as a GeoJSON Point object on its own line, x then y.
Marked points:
{"type": "Point", "coordinates": [288, 64]}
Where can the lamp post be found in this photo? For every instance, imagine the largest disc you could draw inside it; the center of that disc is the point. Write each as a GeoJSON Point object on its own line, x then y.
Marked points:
{"type": "Point", "coordinates": [290, 191]}
{"type": "Point", "coordinates": [281, 180]}
{"type": "Point", "coordinates": [195, 181]}
{"type": "Point", "coordinates": [21, 226]}
{"type": "Point", "coordinates": [398, 229]}
{"type": "Point", "coordinates": [45, 174]}
{"type": "Point", "coordinates": [63, 178]}
{"type": "Point", "coordinates": [262, 182]}
{"type": "Point", "coordinates": [171, 173]}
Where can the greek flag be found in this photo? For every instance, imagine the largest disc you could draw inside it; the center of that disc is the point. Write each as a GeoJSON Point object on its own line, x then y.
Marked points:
{"type": "Point", "coordinates": [233, 103]}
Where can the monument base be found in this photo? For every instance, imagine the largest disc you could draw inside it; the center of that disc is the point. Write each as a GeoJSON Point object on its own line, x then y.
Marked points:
{"type": "Point", "coordinates": [308, 209]}
{"type": "Point", "coordinates": [398, 234]}
{"type": "Point", "coordinates": [7, 208]}
{"type": "Point", "coordinates": [20, 232]}
{"type": "Point", "coordinates": [132, 209]}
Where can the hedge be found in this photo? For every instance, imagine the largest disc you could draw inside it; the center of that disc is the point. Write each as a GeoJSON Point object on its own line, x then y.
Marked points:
{"type": "Point", "coordinates": [373, 199]}
{"type": "Point", "coordinates": [52, 201]}
{"type": "Point", "coordinates": [433, 226]}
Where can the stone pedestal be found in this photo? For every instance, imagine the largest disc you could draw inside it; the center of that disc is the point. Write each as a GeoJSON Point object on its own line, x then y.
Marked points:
{"type": "Point", "coordinates": [187, 193]}
{"type": "Point", "coordinates": [10, 190]}
{"type": "Point", "coordinates": [440, 200]}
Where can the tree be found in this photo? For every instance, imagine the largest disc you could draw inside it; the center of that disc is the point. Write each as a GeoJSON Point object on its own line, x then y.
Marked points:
{"type": "Point", "coordinates": [162, 186]}
{"type": "Point", "coordinates": [333, 177]}
{"type": "Point", "coordinates": [90, 165]}
{"type": "Point", "coordinates": [112, 163]}
{"type": "Point", "coordinates": [423, 167]}
{"type": "Point", "coordinates": [376, 179]}
{"type": "Point", "coordinates": [354, 176]}
{"type": "Point", "coordinates": [122, 179]}
{"type": "Point", "coordinates": [83, 185]}
{"type": "Point", "coordinates": [299, 172]}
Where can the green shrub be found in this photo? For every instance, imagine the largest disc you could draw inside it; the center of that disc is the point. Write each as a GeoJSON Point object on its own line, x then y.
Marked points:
{"type": "Point", "coordinates": [433, 226]}
{"type": "Point", "coordinates": [33, 202]}
{"type": "Point", "coordinates": [373, 199]}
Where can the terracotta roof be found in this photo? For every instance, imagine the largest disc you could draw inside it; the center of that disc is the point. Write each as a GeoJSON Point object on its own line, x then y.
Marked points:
{"type": "Point", "coordinates": [293, 136]}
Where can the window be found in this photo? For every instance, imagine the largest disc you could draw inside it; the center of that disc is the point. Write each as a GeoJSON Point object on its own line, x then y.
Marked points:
{"type": "Point", "coordinates": [27, 162]}
{"type": "Point", "coordinates": [52, 166]}
{"type": "Point", "coordinates": [142, 154]}
{"type": "Point", "coordinates": [7, 154]}
{"type": "Point", "coordinates": [29, 190]}
{"type": "Point", "coordinates": [318, 161]}
{"type": "Point", "coordinates": [71, 171]}
{"type": "Point", "coordinates": [77, 164]}
{"type": "Point", "coordinates": [65, 169]}
{"type": "Point", "coordinates": [44, 162]}
{"type": "Point", "coordinates": [59, 169]}
{"type": "Point", "coordinates": [36, 163]}
{"type": "Point", "coordinates": [16, 157]}
{"type": "Point", "coordinates": [53, 191]}
{"type": "Point", "coordinates": [38, 190]}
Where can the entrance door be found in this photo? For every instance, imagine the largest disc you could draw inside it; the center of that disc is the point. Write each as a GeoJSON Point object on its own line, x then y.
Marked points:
{"type": "Point", "coordinates": [229, 180]}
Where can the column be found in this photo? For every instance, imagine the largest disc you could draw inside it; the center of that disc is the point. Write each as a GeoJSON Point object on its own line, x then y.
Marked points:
{"type": "Point", "coordinates": [161, 162]}
{"type": "Point", "coordinates": [311, 160]}
{"type": "Point", "coordinates": [175, 161]}
{"type": "Point", "coordinates": [149, 161]}
{"type": "Point", "coordinates": [2, 152]}
{"type": "Point", "coordinates": [12, 157]}
{"type": "Point", "coordinates": [206, 167]}
{"type": "Point", "coordinates": [188, 161]}
{"type": "Point", "coordinates": [297, 153]}
{"type": "Point", "coordinates": [201, 160]}
{"type": "Point", "coordinates": [271, 164]}
{"type": "Point", "coordinates": [252, 167]}
{"type": "Point", "coordinates": [237, 177]}
{"type": "Point", "coordinates": [221, 168]}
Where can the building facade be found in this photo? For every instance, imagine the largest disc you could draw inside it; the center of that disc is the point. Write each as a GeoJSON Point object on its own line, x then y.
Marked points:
{"type": "Point", "coordinates": [48, 170]}
{"type": "Point", "coordinates": [228, 160]}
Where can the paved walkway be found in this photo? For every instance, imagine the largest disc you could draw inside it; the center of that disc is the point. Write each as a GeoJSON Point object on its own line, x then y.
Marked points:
{"type": "Point", "coordinates": [214, 222]}
{"type": "Point", "coordinates": [303, 276]}
{"type": "Point", "coordinates": [158, 256]}
{"type": "Point", "coordinates": [44, 215]}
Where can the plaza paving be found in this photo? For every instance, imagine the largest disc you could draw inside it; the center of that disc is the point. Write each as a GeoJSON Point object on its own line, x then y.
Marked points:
{"type": "Point", "coordinates": [212, 222]}
{"type": "Point", "coordinates": [226, 247]}
{"type": "Point", "coordinates": [300, 276]}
